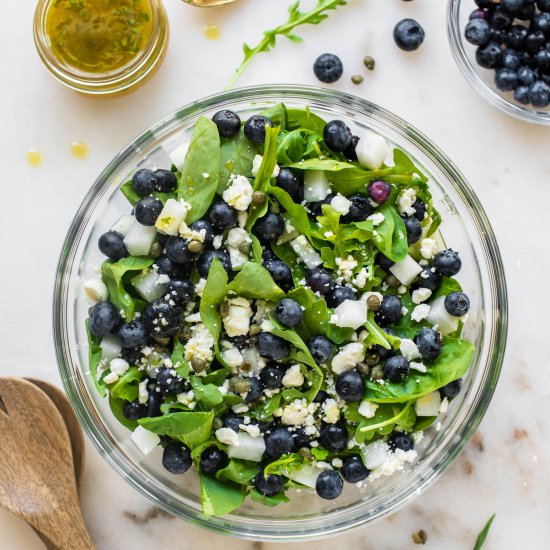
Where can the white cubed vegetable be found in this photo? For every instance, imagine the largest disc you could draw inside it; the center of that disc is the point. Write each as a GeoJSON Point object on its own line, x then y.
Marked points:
{"type": "Point", "coordinates": [316, 185]}
{"type": "Point", "coordinates": [150, 285]}
{"type": "Point", "coordinates": [171, 216]}
{"type": "Point", "coordinates": [439, 316]}
{"type": "Point", "coordinates": [406, 271]}
{"type": "Point", "coordinates": [428, 405]}
{"type": "Point", "coordinates": [351, 313]}
{"type": "Point", "coordinates": [139, 239]}
{"type": "Point", "coordinates": [124, 224]}
{"type": "Point", "coordinates": [144, 440]}
{"type": "Point", "coordinates": [376, 454]}
{"type": "Point", "coordinates": [227, 436]}
{"type": "Point", "coordinates": [306, 252]}
{"type": "Point", "coordinates": [177, 156]}
{"type": "Point", "coordinates": [372, 150]}
{"type": "Point", "coordinates": [249, 448]}
{"type": "Point", "coordinates": [306, 476]}
{"type": "Point", "coordinates": [110, 348]}
{"type": "Point", "coordinates": [95, 291]}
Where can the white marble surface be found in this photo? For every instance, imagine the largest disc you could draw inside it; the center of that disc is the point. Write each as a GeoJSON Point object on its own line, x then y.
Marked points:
{"type": "Point", "coordinates": [505, 469]}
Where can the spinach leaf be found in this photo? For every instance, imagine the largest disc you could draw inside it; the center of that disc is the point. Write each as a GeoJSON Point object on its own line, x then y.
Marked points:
{"type": "Point", "coordinates": [238, 471]}
{"type": "Point", "coordinates": [376, 335]}
{"type": "Point", "coordinates": [391, 236]}
{"type": "Point", "coordinates": [125, 387]}
{"type": "Point", "coordinates": [423, 422]}
{"type": "Point", "coordinates": [94, 360]}
{"type": "Point", "coordinates": [201, 171]}
{"type": "Point", "coordinates": [128, 191]}
{"type": "Point", "coordinates": [255, 281]}
{"type": "Point", "coordinates": [116, 408]}
{"type": "Point", "coordinates": [338, 335]}
{"type": "Point", "coordinates": [447, 285]}
{"type": "Point", "coordinates": [213, 295]}
{"type": "Point", "coordinates": [315, 311]}
{"type": "Point", "coordinates": [403, 165]}
{"type": "Point", "coordinates": [191, 428]}
{"type": "Point", "coordinates": [219, 498]}
{"type": "Point", "coordinates": [296, 212]}
{"type": "Point", "coordinates": [382, 423]}
{"type": "Point", "coordinates": [355, 179]}
{"type": "Point", "coordinates": [453, 362]}
{"type": "Point", "coordinates": [300, 144]}
{"type": "Point", "coordinates": [286, 463]}
{"type": "Point", "coordinates": [206, 394]}
{"type": "Point", "coordinates": [265, 409]}
{"type": "Point", "coordinates": [271, 501]}
{"type": "Point", "coordinates": [278, 115]}
{"type": "Point", "coordinates": [236, 156]}
{"type": "Point", "coordinates": [112, 274]}
{"type": "Point", "coordinates": [177, 357]}
{"type": "Point", "coordinates": [291, 336]}
{"type": "Point", "coordinates": [256, 249]}
{"type": "Point", "coordinates": [480, 541]}
{"type": "Point", "coordinates": [304, 118]}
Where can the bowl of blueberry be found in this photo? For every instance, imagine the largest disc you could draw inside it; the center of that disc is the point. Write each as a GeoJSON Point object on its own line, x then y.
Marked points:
{"type": "Point", "coordinates": [503, 49]}
{"type": "Point", "coordinates": [280, 313]}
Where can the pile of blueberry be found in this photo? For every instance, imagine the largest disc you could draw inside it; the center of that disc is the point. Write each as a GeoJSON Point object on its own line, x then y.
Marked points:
{"type": "Point", "coordinates": [513, 38]}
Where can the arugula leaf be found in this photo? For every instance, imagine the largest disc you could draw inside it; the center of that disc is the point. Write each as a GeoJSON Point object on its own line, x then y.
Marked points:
{"type": "Point", "coordinates": [391, 236]}
{"type": "Point", "coordinates": [236, 156]}
{"type": "Point", "coordinates": [238, 471]}
{"type": "Point", "coordinates": [219, 498]}
{"type": "Point", "coordinates": [116, 408]}
{"type": "Point", "coordinates": [453, 362]}
{"type": "Point", "coordinates": [480, 541]}
{"type": "Point", "coordinates": [255, 281]}
{"type": "Point", "coordinates": [124, 387]}
{"type": "Point", "coordinates": [213, 295]}
{"type": "Point", "coordinates": [112, 274]}
{"type": "Point", "coordinates": [201, 171]}
{"type": "Point", "coordinates": [296, 17]}
{"type": "Point", "coordinates": [271, 501]}
{"type": "Point", "coordinates": [382, 423]}
{"type": "Point", "coordinates": [191, 428]}
{"type": "Point", "coordinates": [300, 144]}
{"type": "Point", "coordinates": [206, 394]}
{"type": "Point", "coordinates": [315, 310]}
{"type": "Point", "coordinates": [94, 360]}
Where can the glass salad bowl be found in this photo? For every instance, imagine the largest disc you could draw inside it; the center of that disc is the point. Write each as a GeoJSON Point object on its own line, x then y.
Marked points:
{"type": "Point", "coordinates": [482, 79]}
{"type": "Point", "coordinates": [465, 227]}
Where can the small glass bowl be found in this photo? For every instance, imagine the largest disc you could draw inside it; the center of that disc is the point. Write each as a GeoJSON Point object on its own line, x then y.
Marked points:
{"type": "Point", "coordinates": [481, 79]}
{"type": "Point", "coordinates": [116, 82]}
{"type": "Point", "coordinates": [306, 516]}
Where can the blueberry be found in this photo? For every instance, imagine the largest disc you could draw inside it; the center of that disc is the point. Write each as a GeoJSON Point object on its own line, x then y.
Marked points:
{"type": "Point", "coordinates": [112, 245]}
{"type": "Point", "coordinates": [526, 76]}
{"type": "Point", "coordinates": [176, 458]}
{"type": "Point", "coordinates": [254, 128]}
{"type": "Point", "coordinates": [270, 227]}
{"type": "Point", "coordinates": [255, 391]}
{"type": "Point", "coordinates": [389, 311]}
{"type": "Point", "coordinates": [272, 347]}
{"type": "Point", "coordinates": [180, 291]}
{"type": "Point", "coordinates": [516, 37]}
{"type": "Point", "coordinates": [506, 80]}
{"type": "Point", "coordinates": [290, 182]}
{"type": "Point", "coordinates": [452, 389]}
{"type": "Point", "coordinates": [240, 342]}
{"type": "Point", "coordinates": [144, 182]}
{"type": "Point", "coordinates": [272, 376]}
{"type": "Point", "coordinates": [498, 36]}
{"type": "Point", "coordinates": [447, 262]}
{"type": "Point", "coordinates": [521, 95]}
{"type": "Point", "coordinates": [360, 209]}
{"type": "Point", "coordinates": [489, 56]}
{"type": "Point", "coordinates": [420, 210]}
{"type": "Point", "coordinates": [268, 254]}
{"type": "Point", "coordinates": [178, 252]}
{"type": "Point", "coordinates": [165, 266]}
{"type": "Point", "coordinates": [228, 123]}
{"type": "Point", "coordinates": [168, 382]}
{"type": "Point", "coordinates": [541, 22]}
{"type": "Point", "coordinates": [339, 295]}
{"type": "Point", "coordinates": [479, 14]}
{"type": "Point", "coordinates": [278, 443]}
{"type": "Point", "coordinates": [233, 421]}
{"type": "Point", "coordinates": [269, 486]}
{"type": "Point", "coordinates": [542, 58]}
{"type": "Point", "coordinates": [396, 368]}
{"type": "Point", "coordinates": [354, 470]}
{"type": "Point", "coordinates": [206, 226]}
{"type": "Point", "coordinates": [350, 152]}
{"type": "Point", "coordinates": [350, 386]}
{"type": "Point", "coordinates": [281, 273]}
{"type": "Point", "coordinates": [484, 3]}
{"type": "Point", "coordinates": [543, 5]}
{"type": "Point", "coordinates": [320, 348]}
{"type": "Point", "coordinates": [334, 437]}
{"type": "Point", "coordinates": [104, 319]}
{"type": "Point", "coordinates": [132, 356]}
{"type": "Point", "coordinates": [400, 440]}
{"type": "Point", "coordinates": [147, 210]}
{"type": "Point", "coordinates": [511, 59]}
{"type": "Point", "coordinates": [337, 135]}
{"type": "Point", "coordinates": [132, 410]}
{"type": "Point", "coordinates": [457, 304]}
{"type": "Point", "coordinates": [384, 262]}
{"type": "Point", "coordinates": [222, 215]}
{"type": "Point", "coordinates": [500, 18]}
{"type": "Point", "coordinates": [288, 312]}
{"type": "Point", "coordinates": [413, 229]}
{"type": "Point", "coordinates": [316, 208]}
{"type": "Point", "coordinates": [319, 280]}
{"type": "Point", "coordinates": [133, 334]}
{"type": "Point", "coordinates": [429, 343]}
{"type": "Point", "coordinates": [321, 396]}
{"type": "Point", "coordinates": [527, 11]}
{"type": "Point", "coordinates": [154, 402]}
{"type": "Point", "coordinates": [512, 5]}
{"type": "Point", "coordinates": [379, 191]}
{"type": "Point", "coordinates": [381, 351]}
{"type": "Point", "coordinates": [477, 32]}
{"type": "Point", "coordinates": [328, 68]}
{"type": "Point", "coordinates": [166, 181]}
{"type": "Point", "coordinates": [161, 319]}
{"type": "Point", "coordinates": [206, 258]}
{"type": "Point", "coordinates": [535, 41]}
{"type": "Point", "coordinates": [301, 439]}
{"type": "Point", "coordinates": [408, 35]}
{"type": "Point", "coordinates": [329, 484]}
{"type": "Point", "coordinates": [212, 460]}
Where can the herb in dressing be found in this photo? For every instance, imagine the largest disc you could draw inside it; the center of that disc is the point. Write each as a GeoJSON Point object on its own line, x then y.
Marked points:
{"type": "Point", "coordinates": [98, 36]}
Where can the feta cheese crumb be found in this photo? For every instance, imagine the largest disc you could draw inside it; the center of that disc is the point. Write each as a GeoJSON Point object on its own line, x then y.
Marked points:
{"type": "Point", "coordinates": [331, 410]}
{"type": "Point", "coordinates": [200, 344]}
{"type": "Point", "coordinates": [293, 377]}
{"type": "Point", "coordinates": [143, 394]}
{"type": "Point", "coordinates": [233, 357]}
{"type": "Point", "coordinates": [428, 248]}
{"type": "Point", "coordinates": [199, 287]}
{"type": "Point", "coordinates": [252, 429]}
{"type": "Point", "coordinates": [295, 413]}
{"type": "Point", "coordinates": [420, 312]}
{"type": "Point", "coordinates": [406, 200]}
{"type": "Point", "coordinates": [217, 242]}
{"type": "Point", "coordinates": [444, 407]}
{"type": "Point", "coordinates": [239, 408]}
{"type": "Point", "coordinates": [111, 378]}
{"type": "Point", "coordinates": [239, 193]}
{"type": "Point", "coordinates": [341, 204]}
{"type": "Point", "coordinates": [377, 218]}
{"type": "Point", "coordinates": [95, 291]}
{"type": "Point", "coordinates": [361, 279]}
{"type": "Point", "coordinates": [420, 295]}
{"type": "Point", "coordinates": [367, 409]}
{"type": "Point", "coordinates": [345, 267]}
{"type": "Point", "coordinates": [119, 366]}
{"type": "Point", "coordinates": [237, 320]}
{"type": "Point", "coordinates": [257, 162]}
{"type": "Point", "coordinates": [227, 436]}
{"type": "Point", "coordinates": [420, 367]}
{"type": "Point", "coordinates": [409, 349]}
{"type": "Point", "coordinates": [348, 357]}
{"type": "Point", "coordinates": [337, 463]}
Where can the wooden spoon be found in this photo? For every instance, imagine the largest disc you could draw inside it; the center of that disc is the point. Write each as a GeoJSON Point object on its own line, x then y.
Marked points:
{"type": "Point", "coordinates": [73, 427]}
{"type": "Point", "coordinates": [37, 481]}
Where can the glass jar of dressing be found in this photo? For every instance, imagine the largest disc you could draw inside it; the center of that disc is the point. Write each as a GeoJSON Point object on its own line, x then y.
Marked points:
{"type": "Point", "coordinates": [208, 3]}
{"type": "Point", "coordinates": [101, 47]}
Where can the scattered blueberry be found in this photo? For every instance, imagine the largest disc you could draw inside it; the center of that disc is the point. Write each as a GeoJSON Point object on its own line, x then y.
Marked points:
{"type": "Point", "coordinates": [457, 304]}
{"type": "Point", "coordinates": [329, 484]}
{"type": "Point", "coordinates": [255, 391]}
{"type": "Point", "coordinates": [542, 58]}
{"type": "Point", "coordinates": [400, 440]}
{"type": "Point", "coordinates": [350, 386]}
{"type": "Point", "coordinates": [132, 356]}
{"type": "Point", "coordinates": [516, 37]}
{"type": "Point", "coordinates": [429, 343]}
{"type": "Point", "coordinates": [511, 60]}
{"type": "Point", "coordinates": [270, 227]}
{"type": "Point", "coordinates": [478, 32]}
{"type": "Point", "coordinates": [161, 319]}
{"type": "Point", "coordinates": [379, 191]}
{"type": "Point", "coordinates": [319, 280]}
{"type": "Point", "coordinates": [420, 210]}
{"type": "Point", "coordinates": [328, 68]}
{"type": "Point", "coordinates": [269, 486]}
{"type": "Point", "coordinates": [526, 76]}
{"type": "Point", "coordinates": [112, 245]}
{"type": "Point", "coordinates": [166, 181]}
{"type": "Point", "coordinates": [168, 382]}
{"type": "Point", "coordinates": [180, 291]}
{"type": "Point", "coordinates": [447, 262]}
{"type": "Point", "coordinates": [316, 208]}
{"type": "Point", "coordinates": [272, 376]}
{"type": "Point", "coordinates": [178, 252]}
{"type": "Point", "coordinates": [206, 258]}
{"type": "Point", "coordinates": [452, 389]}
{"type": "Point", "coordinates": [272, 347]}
{"type": "Point", "coordinates": [334, 437]}
{"type": "Point", "coordinates": [132, 410]}
{"type": "Point", "coordinates": [165, 266]}
{"type": "Point", "coordinates": [144, 182]}
{"type": "Point", "coordinates": [254, 128]}
{"type": "Point", "coordinates": [396, 368]}
{"type": "Point", "coordinates": [233, 421]}
{"type": "Point", "coordinates": [340, 294]}
{"type": "Point", "coordinates": [133, 334]}
{"type": "Point", "coordinates": [321, 396]}
{"type": "Point", "coordinates": [521, 95]}
{"type": "Point", "coordinates": [360, 209]}
{"type": "Point", "coordinates": [279, 442]}
{"type": "Point", "coordinates": [281, 273]}
{"type": "Point", "coordinates": [321, 348]}
{"type": "Point", "coordinates": [381, 351]}
{"type": "Point", "coordinates": [413, 229]}
{"type": "Point", "coordinates": [290, 182]}
{"type": "Point", "coordinates": [206, 226]}
{"type": "Point", "coordinates": [408, 35]}
{"type": "Point", "coordinates": [154, 402]}
{"type": "Point", "coordinates": [390, 310]}
{"type": "Point", "coordinates": [541, 22]}
{"type": "Point", "coordinates": [350, 152]}
{"type": "Point", "coordinates": [288, 312]}
{"type": "Point", "coordinates": [176, 458]}
{"type": "Point", "coordinates": [228, 123]}
{"type": "Point", "coordinates": [147, 210]}
{"type": "Point", "coordinates": [354, 470]}
{"type": "Point", "coordinates": [535, 41]}
{"type": "Point", "coordinates": [223, 216]}
{"type": "Point", "coordinates": [384, 262]}
{"type": "Point", "coordinates": [479, 14]}
{"type": "Point", "coordinates": [104, 319]}
{"type": "Point", "coordinates": [212, 459]}
{"type": "Point", "coordinates": [489, 56]}
{"type": "Point", "coordinates": [539, 94]}
{"type": "Point", "coordinates": [506, 80]}
{"type": "Point", "coordinates": [337, 135]}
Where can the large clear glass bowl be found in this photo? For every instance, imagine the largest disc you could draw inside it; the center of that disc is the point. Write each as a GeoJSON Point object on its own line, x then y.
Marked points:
{"type": "Point", "coordinates": [481, 79]}
{"type": "Point", "coordinates": [465, 228]}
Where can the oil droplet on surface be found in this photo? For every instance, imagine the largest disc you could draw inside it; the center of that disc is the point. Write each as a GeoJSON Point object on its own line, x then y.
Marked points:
{"type": "Point", "coordinates": [34, 158]}
{"type": "Point", "coordinates": [212, 32]}
{"type": "Point", "coordinates": [79, 150]}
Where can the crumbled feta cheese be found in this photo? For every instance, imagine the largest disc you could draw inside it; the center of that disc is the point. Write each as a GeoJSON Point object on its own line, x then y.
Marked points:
{"type": "Point", "coordinates": [227, 436]}
{"type": "Point", "coordinates": [190, 234]}
{"type": "Point", "coordinates": [200, 344]}
{"type": "Point", "coordinates": [402, 289]}
{"type": "Point", "coordinates": [406, 200]}
{"type": "Point", "coordinates": [237, 320]}
{"type": "Point", "coordinates": [377, 218]}
{"type": "Point", "coordinates": [361, 279]}
{"type": "Point", "coordinates": [217, 241]}
{"type": "Point", "coordinates": [239, 193]}
{"type": "Point", "coordinates": [444, 407]}
{"type": "Point", "coordinates": [252, 429]}
{"type": "Point", "coordinates": [143, 394]}
{"type": "Point", "coordinates": [95, 291]}
{"type": "Point", "coordinates": [238, 238]}
{"type": "Point", "coordinates": [199, 287]}
{"type": "Point", "coordinates": [267, 326]}
{"type": "Point", "coordinates": [420, 295]}
{"type": "Point", "coordinates": [328, 234]}
{"type": "Point", "coordinates": [345, 267]}
{"type": "Point", "coordinates": [257, 162]}
{"type": "Point", "coordinates": [119, 366]}
{"type": "Point", "coordinates": [173, 213]}
{"type": "Point", "coordinates": [367, 409]}
{"type": "Point", "coordinates": [111, 378]}
{"type": "Point", "coordinates": [238, 257]}
{"type": "Point", "coordinates": [239, 408]}
{"type": "Point", "coordinates": [293, 377]}
{"type": "Point", "coordinates": [341, 204]}
{"type": "Point", "coordinates": [420, 367]}
{"type": "Point", "coordinates": [193, 318]}
{"type": "Point", "coordinates": [295, 413]}
{"type": "Point", "coordinates": [420, 312]}
{"type": "Point", "coordinates": [428, 248]}
{"type": "Point", "coordinates": [408, 349]}
{"type": "Point", "coordinates": [241, 218]}
{"type": "Point", "coordinates": [331, 411]}
{"type": "Point", "coordinates": [337, 463]}
{"type": "Point", "coordinates": [348, 357]}
{"type": "Point", "coordinates": [233, 357]}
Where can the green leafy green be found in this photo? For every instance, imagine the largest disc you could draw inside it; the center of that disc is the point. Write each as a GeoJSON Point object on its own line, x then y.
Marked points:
{"type": "Point", "coordinates": [126, 387]}
{"type": "Point", "coordinates": [201, 171]}
{"type": "Point", "coordinates": [256, 249]}
{"type": "Point", "coordinates": [315, 311]}
{"type": "Point", "coordinates": [338, 335]}
{"type": "Point", "coordinates": [284, 464]}
{"type": "Point", "coordinates": [116, 408]}
{"type": "Point", "coordinates": [236, 156]}
{"type": "Point", "coordinates": [213, 295]}
{"type": "Point", "coordinates": [238, 471]}
{"type": "Point", "coordinates": [255, 281]}
{"type": "Point", "coordinates": [480, 541]}
{"type": "Point", "coordinates": [372, 426]}
{"type": "Point", "coordinates": [447, 285]}
{"type": "Point", "coordinates": [94, 360]}
{"type": "Point", "coordinates": [220, 497]}
{"type": "Point", "coordinates": [403, 165]}
{"type": "Point", "coordinates": [272, 501]}
{"type": "Point", "coordinates": [296, 212]}
{"type": "Point", "coordinates": [391, 236]}
{"type": "Point", "coordinates": [206, 394]}
{"type": "Point", "coordinates": [304, 118]}
{"type": "Point", "coordinates": [265, 409]}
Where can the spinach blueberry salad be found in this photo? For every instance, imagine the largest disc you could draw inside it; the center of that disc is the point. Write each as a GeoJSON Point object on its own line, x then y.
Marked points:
{"type": "Point", "coordinates": [279, 309]}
